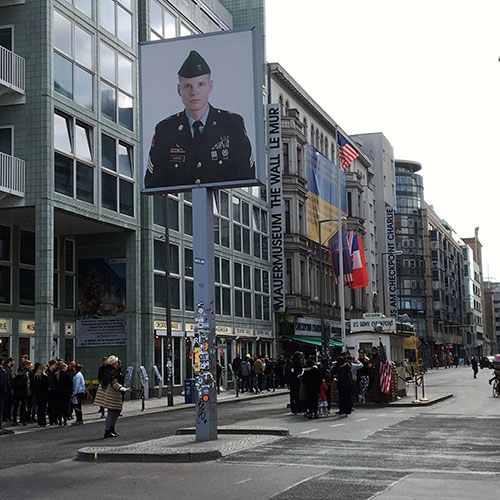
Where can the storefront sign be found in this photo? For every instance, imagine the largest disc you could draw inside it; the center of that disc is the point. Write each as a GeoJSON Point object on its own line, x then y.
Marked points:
{"type": "Point", "coordinates": [388, 325]}
{"type": "Point", "coordinates": [264, 333]}
{"type": "Point", "coordinates": [311, 327]}
{"type": "Point", "coordinates": [223, 330]}
{"type": "Point", "coordinates": [162, 325]}
{"type": "Point", "coordinates": [244, 331]}
{"type": "Point", "coordinates": [27, 327]}
{"type": "Point", "coordinates": [275, 169]}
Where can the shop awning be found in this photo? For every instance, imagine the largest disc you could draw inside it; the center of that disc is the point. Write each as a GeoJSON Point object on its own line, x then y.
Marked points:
{"type": "Point", "coordinates": [311, 340]}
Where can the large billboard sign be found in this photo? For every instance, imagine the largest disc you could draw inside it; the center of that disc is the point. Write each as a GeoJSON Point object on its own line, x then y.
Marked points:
{"type": "Point", "coordinates": [201, 112]}
{"type": "Point", "coordinates": [322, 196]}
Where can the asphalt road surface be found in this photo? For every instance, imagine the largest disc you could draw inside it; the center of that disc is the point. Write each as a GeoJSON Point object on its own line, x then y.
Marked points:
{"type": "Point", "coordinates": [447, 451]}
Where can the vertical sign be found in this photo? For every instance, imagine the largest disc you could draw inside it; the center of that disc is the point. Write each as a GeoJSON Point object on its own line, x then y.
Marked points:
{"type": "Point", "coordinates": [391, 279]}
{"type": "Point", "coordinates": [275, 169]}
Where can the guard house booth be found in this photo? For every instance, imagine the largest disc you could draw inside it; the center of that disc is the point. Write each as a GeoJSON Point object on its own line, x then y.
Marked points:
{"type": "Point", "coordinates": [374, 328]}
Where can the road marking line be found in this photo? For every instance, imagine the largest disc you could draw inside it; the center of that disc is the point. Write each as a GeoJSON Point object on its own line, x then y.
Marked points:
{"type": "Point", "coordinates": [244, 481]}
{"type": "Point", "coordinates": [399, 411]}
{"type": "Point", "coordinates": [361, 419]}
{"type": "Point", "coordinates": [336, 425]}
{"type": "Point", "coordinates": [309, 431]}
{"type": "Point", "coordinates": [381, 415]}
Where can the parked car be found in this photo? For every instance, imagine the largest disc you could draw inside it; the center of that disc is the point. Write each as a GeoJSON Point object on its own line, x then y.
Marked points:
{"type": "Point", "coordinates": [486, 362]}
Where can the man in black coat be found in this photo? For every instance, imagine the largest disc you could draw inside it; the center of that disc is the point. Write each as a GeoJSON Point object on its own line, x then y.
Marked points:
{"type": "Point", "coordinates": [201, 144]}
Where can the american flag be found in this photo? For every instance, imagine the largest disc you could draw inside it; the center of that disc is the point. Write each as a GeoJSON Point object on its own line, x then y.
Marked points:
{"type": "Point", "coordinates": [346, 153]}
{"type": "Point", "coordinates": [385, 371]}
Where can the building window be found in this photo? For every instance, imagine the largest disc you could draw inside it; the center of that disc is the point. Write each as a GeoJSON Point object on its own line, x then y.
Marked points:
{"type": "Point", "coordinates": [160, 298]}
{"type": "Point", "coordinates": [84, 6]}
{"type": "Point", "coordinates": [69, 274]}
{"type": "Point", "coordinates": [241, 225]}
{"type": "Point", "coordinates": [221, 223]}
{"type": "Point", "coordinates": [261, 294]}
{"type": "Point", "coordinates": [260, 232]}
{"type": "Point", "coordinates": [27, 268]}
{"type": "Point", "coordinates": [5, 268]}
{"type": "Point", "coordinates": [188, 213]}
{"type": "Point", "coordinates": [173, 211]}
{"type": "Point", "coordinates": [117, 102]}
{"type": "Point", "coordinates": [286, 158]}
{"type": "Point", "coordinates": [288, 278]}
{"type": "Point", "coordinates": [242, 291]}
{"type": "Point", "coordinates": [73, 62]}
{"type": "Point", "coordinates": [73, 158]}
{"type": "Point", "coordinates": [222, 286]}
{"type": "Point", "coordinates": [188, 280]}
{"type": "Point", "coordinates": [165, 24]}
{"type": "Point", "coordinates": [6, 141]}
{"type": "Point", "coordinates": [117, 176]}
{"type": "Point", "coordinates": [116, 17]}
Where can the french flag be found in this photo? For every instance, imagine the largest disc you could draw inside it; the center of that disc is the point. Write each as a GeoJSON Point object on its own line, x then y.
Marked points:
{"type": "Point", "coordinates": [359, 274]}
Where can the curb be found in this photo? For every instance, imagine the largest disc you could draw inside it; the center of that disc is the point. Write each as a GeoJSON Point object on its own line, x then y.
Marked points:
{"type": "Point", "coordinates": [266, 431]}
{"type": "Point", "coordinates": [430, 402]}
{"type": "Point", "coordinates": [169, 456]}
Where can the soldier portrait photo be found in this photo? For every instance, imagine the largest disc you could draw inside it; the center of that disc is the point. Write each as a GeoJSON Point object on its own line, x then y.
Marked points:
{"type": "Point", "coordinates": [200, 144]}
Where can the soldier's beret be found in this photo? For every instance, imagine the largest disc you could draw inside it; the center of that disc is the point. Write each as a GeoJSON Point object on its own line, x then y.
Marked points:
{"type": "Point", "coordinates": [194, 66]}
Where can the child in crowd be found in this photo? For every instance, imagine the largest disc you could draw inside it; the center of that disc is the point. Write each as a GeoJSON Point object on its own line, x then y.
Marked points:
{"type": "Point", "coordinates": [322, 400]}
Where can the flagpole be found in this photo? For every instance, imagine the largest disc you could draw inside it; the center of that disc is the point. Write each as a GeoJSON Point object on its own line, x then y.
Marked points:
{"type": "Point", "coordinates": [341, 252]}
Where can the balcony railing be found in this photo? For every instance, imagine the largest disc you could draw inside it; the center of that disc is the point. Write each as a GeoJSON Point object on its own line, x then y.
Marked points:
{"type": "Point", "coordinates": [11, 175]}
{"type": "Point", "coordinates": [11, 71]}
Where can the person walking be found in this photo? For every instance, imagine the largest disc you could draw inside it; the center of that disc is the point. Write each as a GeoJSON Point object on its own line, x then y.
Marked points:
{"type": "Point", "coordinates": [474, 365]}
{"type": "Point", "coordinates": [109, 396]}
{"type": "Point", "coordinates": [20, 385]}
{"type": "Point", "coordinates": [296, 369]}
{"type": "Point", "coordinates": [246, 372]}
{"type": "Point", "coordinates": [63, 385]}
{"type": "Point", "coordinates": [100, 374]}
{"type": "Point", "coordinates": [51, 402]}
{"type": "Point", "coordinates": [363, 375]}
{"type": "Point", "coordinates": [342, 373]}
{"type": "Point", "coordinates": [78, 393]}
{"type": "Point", "coordinates": [40, 390]}
{"type": "Point", "coordinates": [312, 379]}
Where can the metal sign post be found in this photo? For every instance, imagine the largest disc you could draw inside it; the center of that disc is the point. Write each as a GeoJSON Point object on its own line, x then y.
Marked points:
{"type": "Point", "coordinates": [205, 354]}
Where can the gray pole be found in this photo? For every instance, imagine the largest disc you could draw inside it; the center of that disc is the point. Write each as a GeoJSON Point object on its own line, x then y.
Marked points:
{"type": "Point", "coordinates": [324, 339]}
{"type": "Point", "coordinates": [204, 315]}
{"type": "Point", "coordinates": [168, 315]}
{"type": "Point", "coordinates": [341, 252]}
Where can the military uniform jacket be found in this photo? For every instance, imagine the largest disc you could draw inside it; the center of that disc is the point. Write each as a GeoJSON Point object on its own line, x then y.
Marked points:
{"type": "Point", "coordinates": [222, 153]}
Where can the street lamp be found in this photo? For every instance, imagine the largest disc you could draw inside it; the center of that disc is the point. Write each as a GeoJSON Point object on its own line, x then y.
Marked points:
{"type": "Point", "coordinates": [395, 253]}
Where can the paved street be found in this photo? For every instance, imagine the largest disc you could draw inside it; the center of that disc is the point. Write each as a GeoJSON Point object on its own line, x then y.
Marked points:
{"type": "Point", "coordinates": [449, 450]}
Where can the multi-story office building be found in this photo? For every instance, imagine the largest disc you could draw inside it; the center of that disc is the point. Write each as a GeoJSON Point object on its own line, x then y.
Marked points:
{"type": "Point", "coordinates": [492, 314]}
{"type": "Point", "coordinates": [382, 189]}
{"type": "Point", "coordinates": [410, 241]}
{"type": "Point", "coordinates": [306, 127]}
{"type": "Point", "coordinates": [445, 309]}
{"type": "Point", "coordinates": [475, 341]}
{"type": "Point", "coordinates": [78, 239]}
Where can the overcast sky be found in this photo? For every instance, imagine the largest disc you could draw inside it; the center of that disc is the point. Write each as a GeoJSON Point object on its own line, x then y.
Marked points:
{"type": "Point", "coordinates": [424, 73]}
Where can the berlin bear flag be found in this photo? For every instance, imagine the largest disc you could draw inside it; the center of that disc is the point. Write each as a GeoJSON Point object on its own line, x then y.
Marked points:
{"type": "Point", "coordinates": [359, 274]}
{"type": "Point", "coordinates": [333, 245]}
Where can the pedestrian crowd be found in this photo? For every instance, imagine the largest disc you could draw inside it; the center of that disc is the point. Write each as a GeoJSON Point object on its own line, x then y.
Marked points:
{"type": "Point", "coordinates": [310, 383]}
{"type": "Point", "coordinates": [49, 394]}
{"type": "Point", "coordinates": [45, 394]}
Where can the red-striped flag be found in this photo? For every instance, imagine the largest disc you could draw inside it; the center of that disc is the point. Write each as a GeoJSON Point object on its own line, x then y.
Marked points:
{"type": "Point", "coordinates": [347, 154]}
{"type": "Point", "coordinates": [359, 274]}
{"type": "Point", "coordinates": [385, 370]}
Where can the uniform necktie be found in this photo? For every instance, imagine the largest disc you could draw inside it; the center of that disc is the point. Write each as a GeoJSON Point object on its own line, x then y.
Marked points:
{"type": "Point", "coordinates": [196, 126]}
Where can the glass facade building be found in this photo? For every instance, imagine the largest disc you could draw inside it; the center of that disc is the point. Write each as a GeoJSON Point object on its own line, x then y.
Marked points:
{"type": "Point", "coordinates": [75, 229]}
